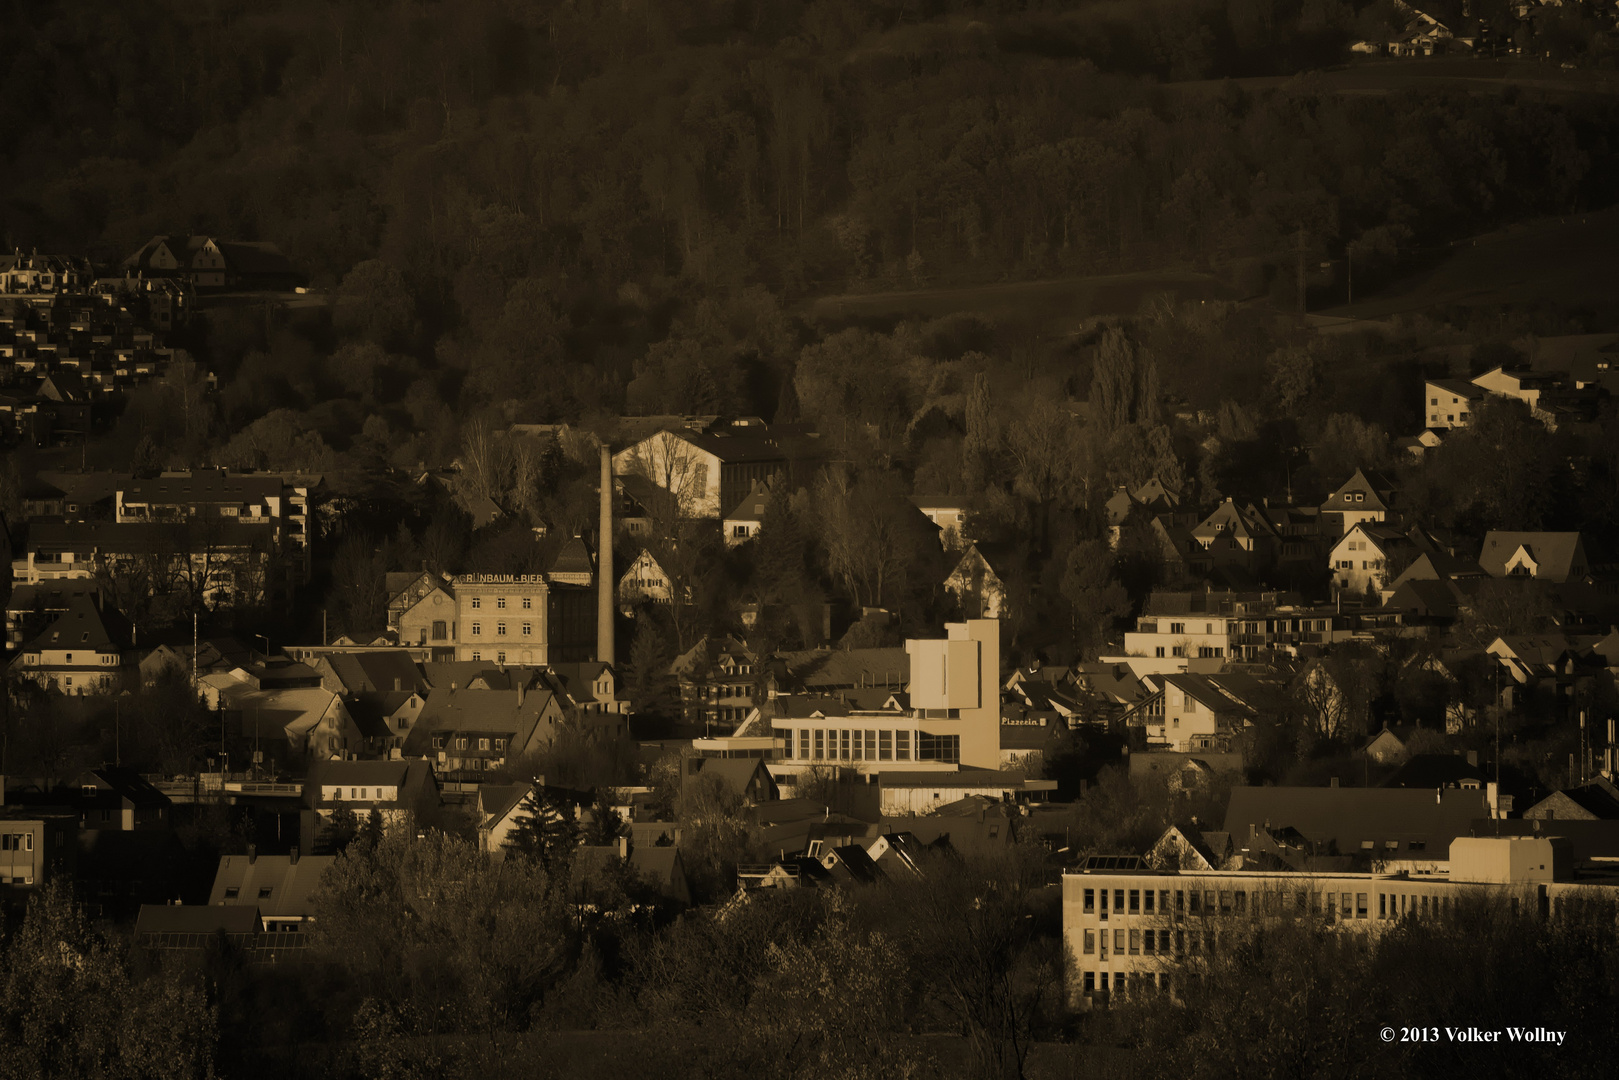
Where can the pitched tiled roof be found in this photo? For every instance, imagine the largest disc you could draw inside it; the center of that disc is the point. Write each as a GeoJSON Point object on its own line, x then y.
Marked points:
{"type": "Point", "coordinates": [274, 884]}
{"type": "Point", "coordinates": [1346, 817]}
{"type": "Point", "coordinates": [82, 625]}
{"type": "Point", "coordinates": [1557, 554]}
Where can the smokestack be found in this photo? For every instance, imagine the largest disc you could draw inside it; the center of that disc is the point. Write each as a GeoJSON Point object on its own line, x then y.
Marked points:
{"type": "Point", "coordinates": [604, 564]}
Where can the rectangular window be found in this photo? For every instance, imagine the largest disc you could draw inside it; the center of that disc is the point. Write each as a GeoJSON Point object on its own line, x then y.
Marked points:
{"type": "Point", "coordinates": [440, 630]}
{"type": "Point", "coordinates": [1180, 900]}
{"type": "Point", "coordinates": [476, 603]}
{"type": "Point", "coordinates": [820, 744]}
{"type": "Point", "coordinates": [500, 747]}
{"type": "Point", "coordinates": [527, 603]}
{"type": "Point", "coordinates": [528, 629]}
{"type": "Point", "coordinates": [1090, 942]}
{"type": "Point", "coordinates": [1242, 902]}
{"type": "Point", "coordinates": [500, 602]}
{"type": "Point", "coordinates": [1118, 899]}
{"type": "Point", "coordinates": [500, 629]}
{"type": "Point", "coordinates": [264, 893]}
{"type": "Point", "coordinates": [483, 744]}
{"type": "Point", "coordinates": [1118, 942]}
{"type": "Point", "coordinates": [1148, 897]}
{"type": "Point", "coordinates": [477, 628]}
{"type": "Point", "coordinates": [1225, 902]}
{"type": "Point", "coordinates": [1382, 905]}
{"type": "Point", "coordinates": [1149, 942]}
{"type": "Point", "coordinates": [885, 746]}
{"type": "Point", "coordinates": [1135, 901]}
{"type": "Point", "coordinates": [1090, 982]}
{"type": "Point", "coordinates": [803, 743]}
{"type": "Point", "coordinates": [1196, 896]}
{"type": "Point", "coordinates": [1104, 982]}
{"type": "Point", "coordinates": [1360, 905]}
{"type": "Point", "coordinates": [1135, 942]}
{"type": "Point", "coordinates": [844, 745]}
{"type": "Point", "coordinates": [902, 746]}
{"type": "Point", "coordinates": [232, 892]}
{"type": "Point", "coordinates": [1180, 941]}
{"type": "Point", "coordinates": [1090, 901]}
{"type": "Point", "coordinates": [1104, 901]}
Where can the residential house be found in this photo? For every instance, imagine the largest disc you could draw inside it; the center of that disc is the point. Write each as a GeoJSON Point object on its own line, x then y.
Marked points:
{"type": "Point", "coordinates": [1236, 538]}
{"type": "Point", "coordinates": [1450, 402]}
{"type": "Point", "coordinates": [1557, 557]}
{"type": "Point", "coordinates": [372, 671]}
{"type": "Point", "coordinates": [660, 868]}
{"type": "Point", "coordinates": [588, 685]}
{"type": "Point", "coordinates": [469, 731]}
{"type": "Point", "coordinates": [119, 799]}
{"type": "Point", "coordinates": [706, 470]}
{"type": "Point", "coordinates": [1367, 557]}
{"type": "Point", "coordinates": [1181, 627]}
{"type": "Point", "coordinates": [1365, 497]}
{"type": "Point", "coordinates": [1190, 849]}
{"type": "Point", "coordinates": [396, 791]}
{"type": "Point", "coordinates": [1388, 747]}
{"type": "Point", "coordinates": [743, 520]}
{"type": "Point", "coordinates": [384, 718]}
{"type": "Point", "coordinates": [501, 807]}
{"type": "Point", "coordinates": [1597, 800]}
{"type": "Point", "coordinates": [718, 682]}
{"type": "Point", "coordinates": [85, 649]}
{"type": "Point", "coordinates": [643, 583]}
{"type": "Point", "coordinates": [280, 887]}
{"type": "Point", "coordinates": [1204, 712]}
{"type": "Point", "coordinates": [205, 262]}
{"type": "Point", "coordinates": [279, 716]}
{"type": "Point", "coordinates": [747, 779]}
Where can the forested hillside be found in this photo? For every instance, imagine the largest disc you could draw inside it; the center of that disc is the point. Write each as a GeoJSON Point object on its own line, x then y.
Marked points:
{"type": "Point", "coordinates": [524, 182]}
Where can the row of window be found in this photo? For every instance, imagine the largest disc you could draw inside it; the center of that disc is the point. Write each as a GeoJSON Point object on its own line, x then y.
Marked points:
{"type": "Point", "coordinates": [1239, 902]}
{"type": "Point", "coordinates": [1097, 981]}
{"type": "Point", "coordinates": [16, 841]}
{"type": "Point", "coordinates": [500, 603]}
{"type": "Point", "coordinates": [500, 629]}
{"type": "Point", "coordinates": [485, 744]}
{"type": "Point", "coordinates": [233, 892]}
{"type": "Point", "coordinates": [854, 744]}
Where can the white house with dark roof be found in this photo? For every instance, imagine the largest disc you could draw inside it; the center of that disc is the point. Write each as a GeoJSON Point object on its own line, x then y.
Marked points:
{"type": "Point", "coordinates": [1365, 497]}
{"type": "Point", "coordinates": [743, 521]}
{"type": "Point", "coordinates": [705, 470]}
{"type": "Point", "coordinates": [1449, 403]}
{"type": "Point", "coordinates": [1366, 557]}
{"type": "Point", "coordinates": [644, 582]}
{"type": "Point", "coordinates": [395, 790]}
{"type": "Point", "coordinates": [83, 650]}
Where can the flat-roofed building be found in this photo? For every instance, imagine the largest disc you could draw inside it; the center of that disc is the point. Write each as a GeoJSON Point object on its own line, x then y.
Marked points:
{"type": "Point", "coordinates": [1129, 928]}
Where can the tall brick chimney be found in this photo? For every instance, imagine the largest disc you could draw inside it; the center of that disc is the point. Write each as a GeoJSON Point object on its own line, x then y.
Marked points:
{"type": "Point", "coordinates": [604, 563]}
